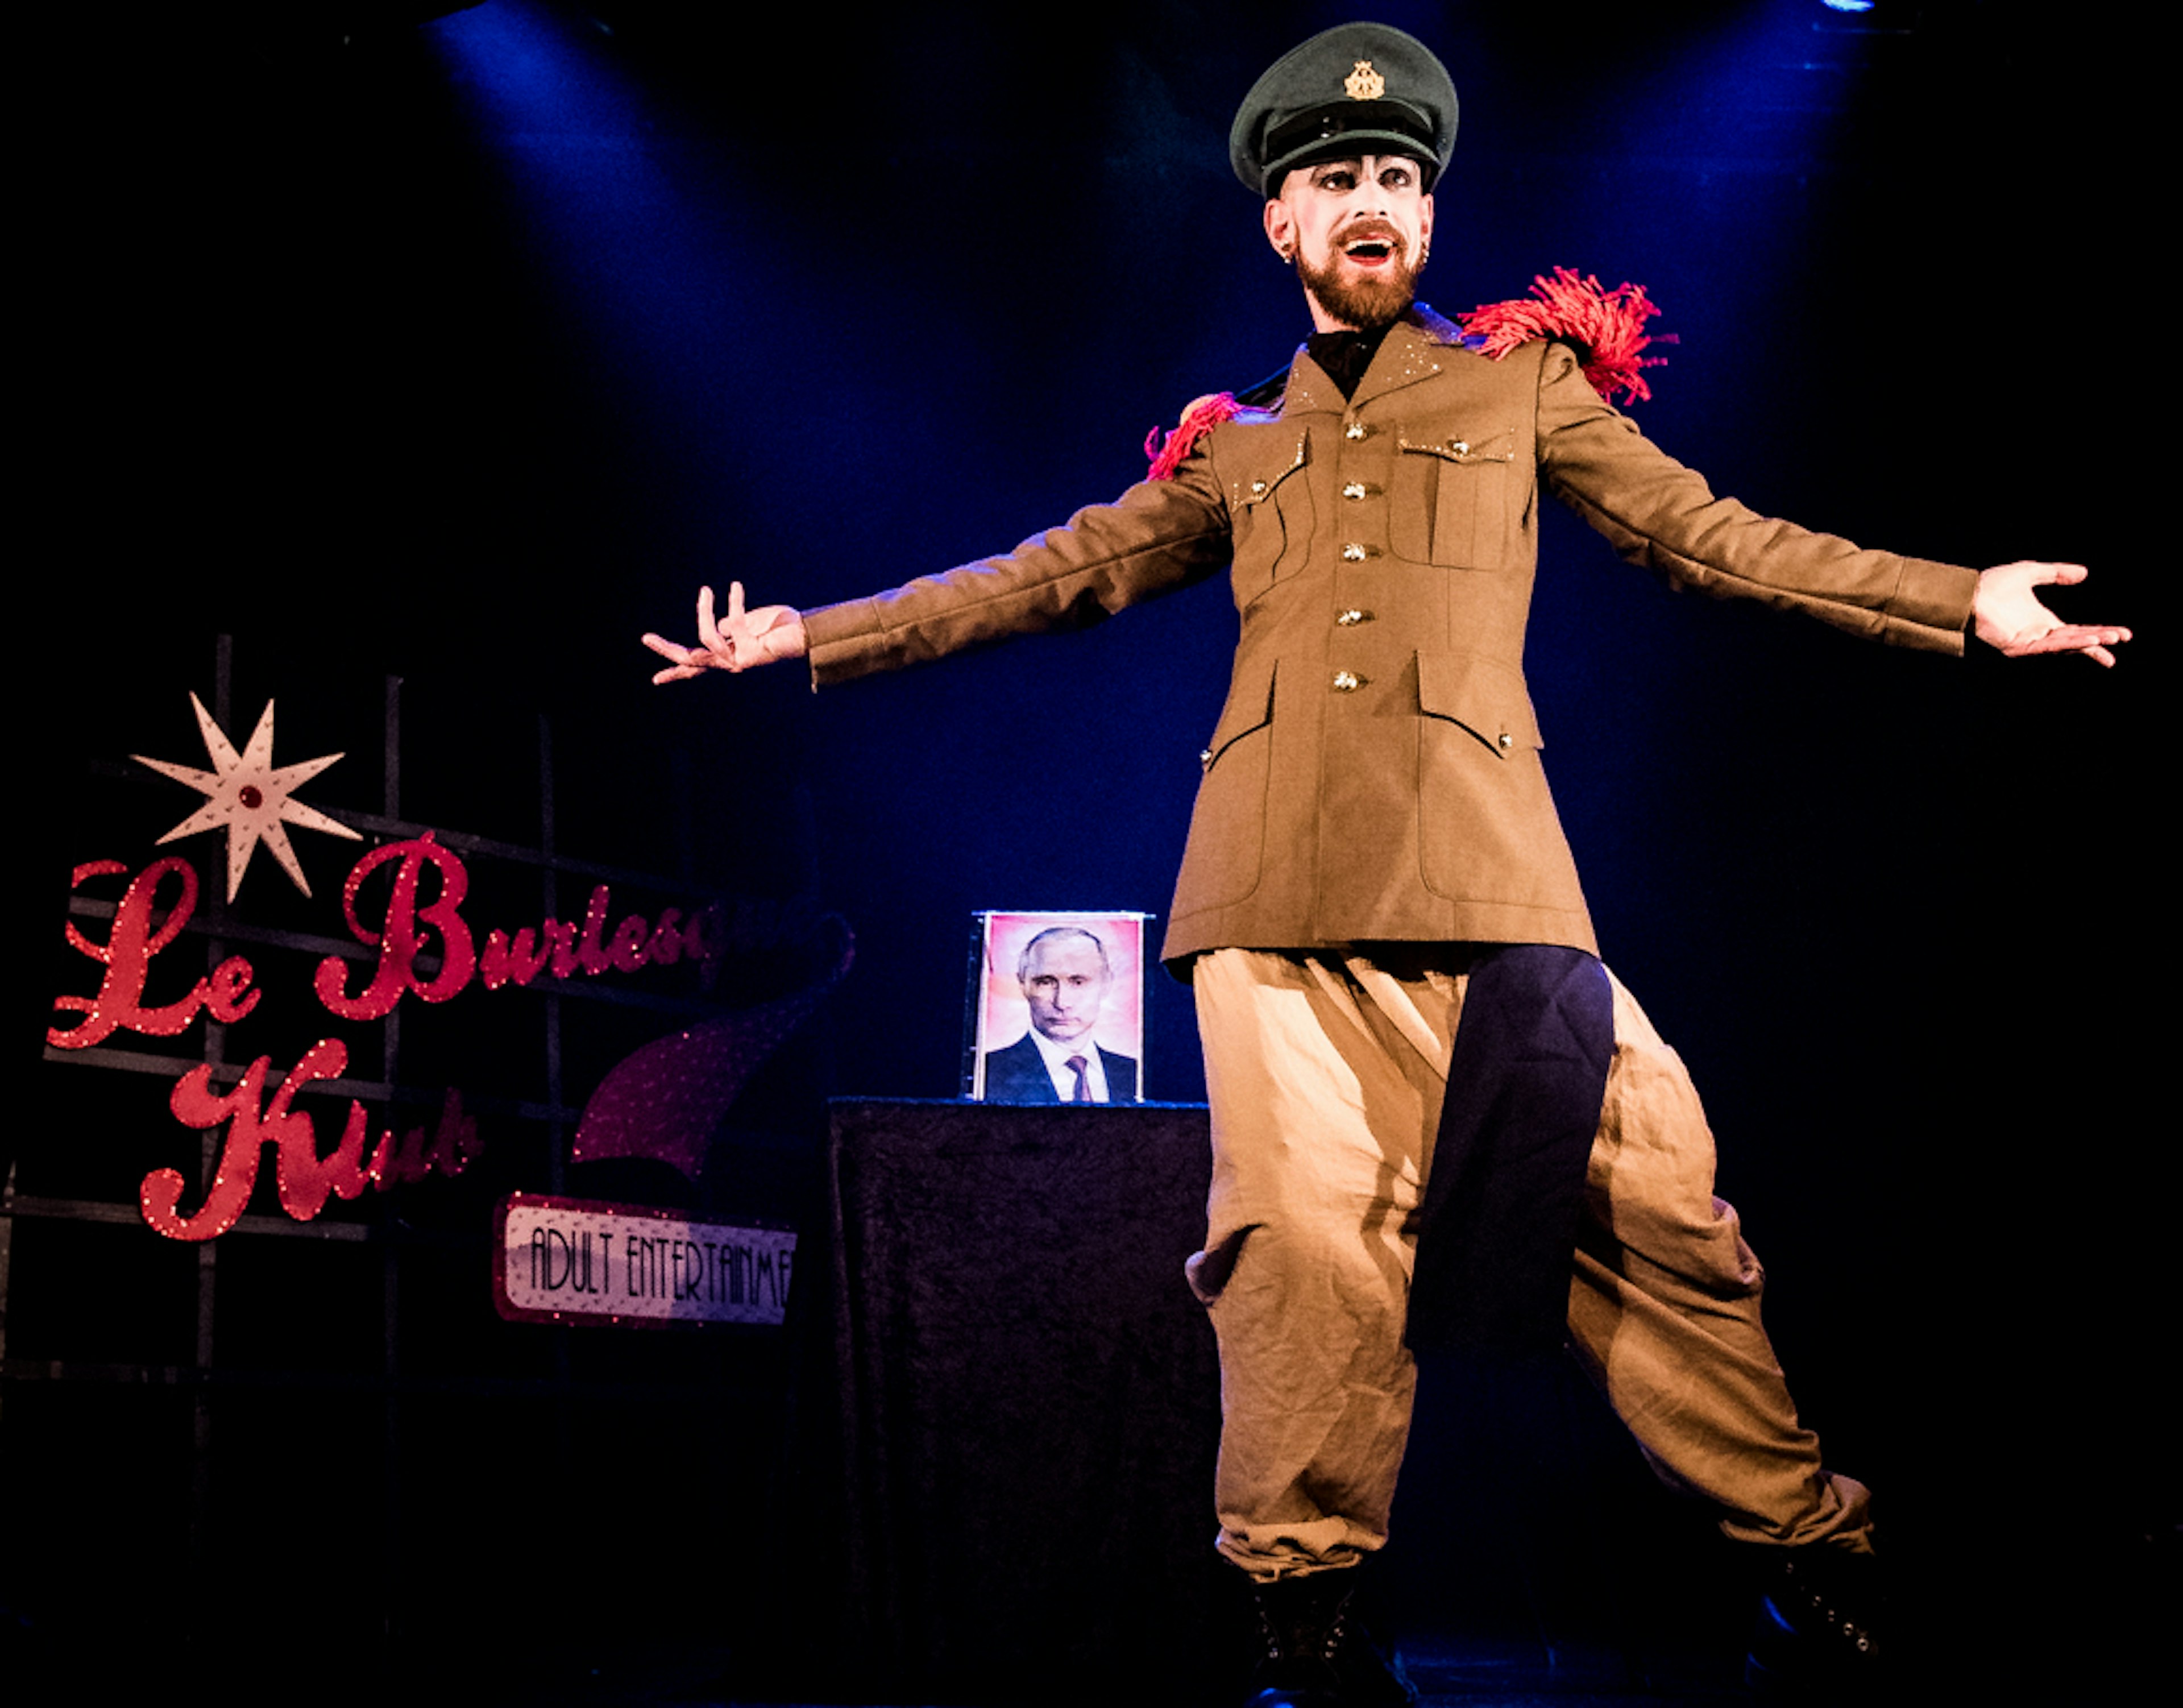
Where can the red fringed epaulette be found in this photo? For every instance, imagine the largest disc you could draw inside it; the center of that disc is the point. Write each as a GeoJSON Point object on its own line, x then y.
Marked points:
{"type": "Point", "coordinates": [1607, 326]}
{"type": "Point", "coordinates": [1201, 418]}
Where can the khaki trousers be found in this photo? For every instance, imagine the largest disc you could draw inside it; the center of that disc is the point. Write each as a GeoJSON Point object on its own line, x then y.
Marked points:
{"type": "Point", "coordinates": [1326, 1075]}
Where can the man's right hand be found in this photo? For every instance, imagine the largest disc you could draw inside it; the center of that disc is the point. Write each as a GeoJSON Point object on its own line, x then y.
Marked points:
{"type": "Point", "coordinates": [741, 640]}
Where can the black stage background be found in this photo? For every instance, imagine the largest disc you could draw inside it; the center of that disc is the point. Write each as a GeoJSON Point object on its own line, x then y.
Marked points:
{"type": "Point", "coordinates": [465, 352]}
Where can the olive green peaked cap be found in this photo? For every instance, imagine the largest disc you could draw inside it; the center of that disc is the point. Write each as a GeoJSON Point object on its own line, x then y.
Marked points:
{"type": "Point", "coordinates": [1355, 89]}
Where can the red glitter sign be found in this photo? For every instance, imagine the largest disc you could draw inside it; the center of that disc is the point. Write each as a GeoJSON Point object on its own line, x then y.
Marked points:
{"type": "Point", "coordinates": [423, 920]}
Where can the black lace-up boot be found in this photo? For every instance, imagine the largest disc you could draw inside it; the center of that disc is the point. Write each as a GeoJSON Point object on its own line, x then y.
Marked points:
{"type": "Point", "coordinates": [1818, 1640]}
{"type": "Point", "coordinates": [1313, 1650]}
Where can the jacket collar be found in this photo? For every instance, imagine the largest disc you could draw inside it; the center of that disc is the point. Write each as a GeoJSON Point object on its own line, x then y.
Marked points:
{"type": "Point", "coordinates": [1415, 348]}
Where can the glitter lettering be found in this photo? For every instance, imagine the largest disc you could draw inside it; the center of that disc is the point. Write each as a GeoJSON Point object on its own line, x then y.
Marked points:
{"type": "Point", "coordinates": [397, 940]}
{"type": "Point", "coordinates": [127, 954]}
{"type": "Point", "coordinates": [303, 1179]}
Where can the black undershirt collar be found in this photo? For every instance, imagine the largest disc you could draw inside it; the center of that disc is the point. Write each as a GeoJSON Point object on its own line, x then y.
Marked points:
{"type": "Point", "coordinates": [1346, 355]}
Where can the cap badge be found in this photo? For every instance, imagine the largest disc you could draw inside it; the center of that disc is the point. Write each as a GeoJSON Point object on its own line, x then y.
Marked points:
{"type": "Point", "coordinates": [1363, 83]}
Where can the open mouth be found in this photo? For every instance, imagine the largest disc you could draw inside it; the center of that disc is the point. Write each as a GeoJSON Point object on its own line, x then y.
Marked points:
{"type": "Point", "coordinates": [1370, 251]}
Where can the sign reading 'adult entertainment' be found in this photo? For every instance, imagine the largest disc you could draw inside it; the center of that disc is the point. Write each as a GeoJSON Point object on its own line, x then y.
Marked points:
{"type": "Point", "coordinates": [569, 1260]}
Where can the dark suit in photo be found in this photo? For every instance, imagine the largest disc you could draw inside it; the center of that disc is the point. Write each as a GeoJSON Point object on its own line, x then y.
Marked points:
{"type": "Point", "coordinates": [1018, 1074]}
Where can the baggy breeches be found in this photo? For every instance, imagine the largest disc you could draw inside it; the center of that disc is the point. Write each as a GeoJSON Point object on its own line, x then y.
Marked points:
{"type": "Point", "coordinates": [1326, 1075]}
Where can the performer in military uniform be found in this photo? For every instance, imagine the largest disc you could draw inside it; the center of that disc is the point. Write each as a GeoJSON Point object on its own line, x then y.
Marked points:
{"type": "Point", "coordinates": [1427, 1095]}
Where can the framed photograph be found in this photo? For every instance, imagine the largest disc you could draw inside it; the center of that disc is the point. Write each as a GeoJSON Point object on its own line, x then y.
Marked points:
{"type": "Point", "coordinates": [1056, 1007]}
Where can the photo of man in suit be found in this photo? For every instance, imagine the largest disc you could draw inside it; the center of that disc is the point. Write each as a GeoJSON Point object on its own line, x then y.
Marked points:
{"type": "Point", "coordinates": [1065, 973]}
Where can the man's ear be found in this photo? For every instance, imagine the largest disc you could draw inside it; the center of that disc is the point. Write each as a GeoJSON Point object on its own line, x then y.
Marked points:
{"type": "Point", "coordinates": [1280, 230]}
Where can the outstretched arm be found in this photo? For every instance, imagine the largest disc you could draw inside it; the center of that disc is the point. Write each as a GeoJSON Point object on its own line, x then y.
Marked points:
{"type": "Point", "coordinates": [741, 641]}
{"type": "Point", "coordinates": [2007, 613]}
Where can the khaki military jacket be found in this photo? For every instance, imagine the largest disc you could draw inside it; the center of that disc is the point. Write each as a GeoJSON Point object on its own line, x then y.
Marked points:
{"type": "Point", "coordinates": [1376, 773]}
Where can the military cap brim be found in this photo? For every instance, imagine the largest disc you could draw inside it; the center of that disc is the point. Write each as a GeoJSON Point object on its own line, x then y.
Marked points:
{"type": "Point", "coordinates": [1356, 89]}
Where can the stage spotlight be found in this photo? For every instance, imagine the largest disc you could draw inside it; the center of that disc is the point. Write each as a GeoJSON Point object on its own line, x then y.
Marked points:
{"type": "Point", "coordinates": [1898, 17]}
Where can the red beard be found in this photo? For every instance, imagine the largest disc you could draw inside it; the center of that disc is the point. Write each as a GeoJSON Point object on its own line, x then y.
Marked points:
{"type": "Point", "coordinates": [1375, 299]}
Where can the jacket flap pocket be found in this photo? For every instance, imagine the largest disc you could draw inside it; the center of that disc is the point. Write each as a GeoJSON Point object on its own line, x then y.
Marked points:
{"type": "Point", "coordinates": [1250, 707]}
{"type": "Point", "coordinates": [1457, 447]}
{"type": "Point", "coordinates": [1486, 697]}
{"type": "Point", "coordinates": [1268, 472]}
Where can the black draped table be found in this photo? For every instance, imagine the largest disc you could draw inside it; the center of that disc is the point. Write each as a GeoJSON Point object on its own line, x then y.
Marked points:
{"type": "Point", "coordinates": [1030, 1398]}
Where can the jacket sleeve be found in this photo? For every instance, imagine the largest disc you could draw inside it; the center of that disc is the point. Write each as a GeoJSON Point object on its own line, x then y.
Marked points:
{"type": "Point", "coordinates": [1157, 536]}
{"type": "Point", "coordinates": [1662, 515]}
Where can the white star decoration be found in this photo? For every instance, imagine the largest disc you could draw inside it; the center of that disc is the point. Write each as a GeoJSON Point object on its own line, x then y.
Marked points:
{"type": "Point", "coordinates": [249, 796]}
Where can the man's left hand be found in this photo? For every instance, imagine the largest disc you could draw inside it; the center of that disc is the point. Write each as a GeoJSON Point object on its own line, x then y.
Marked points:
{"type": "Point", "coordinates": [2007, 613]}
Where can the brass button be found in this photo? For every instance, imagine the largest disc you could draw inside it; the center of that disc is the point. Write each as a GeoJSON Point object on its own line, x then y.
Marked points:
{"type": "Point", "coordinates": [1354, 490]}
{"type": "Point", "coordinates": [1353, 553]}
{"type": "Point", "coordinates": [1355, 430]}
{"type": "Point", "coordinates": [1257, 487]}
{"type": "Point", "coordinates": [1460, 447]}
{"type": "Point", "coordinates": [1349, 620]}
{"type": "Point", "coordinates": [1205, 760]}
{"type": "Point", "coordinates": [1507, 741]}
{"type": "Point", "coordinates": [1347, 681]}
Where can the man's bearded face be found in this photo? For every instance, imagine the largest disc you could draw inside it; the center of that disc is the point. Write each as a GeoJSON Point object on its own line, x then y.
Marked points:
{"type": "Point", "coordinates": [1363, 298]}
{"type": "Point", "coordinates": [1357, 230]}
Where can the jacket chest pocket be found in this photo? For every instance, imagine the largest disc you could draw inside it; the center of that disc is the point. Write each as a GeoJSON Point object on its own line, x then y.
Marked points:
{"type": "Point", "coordinates": [1270, 507]}
{"type": "Point", "coordinates": [1458, 501]}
